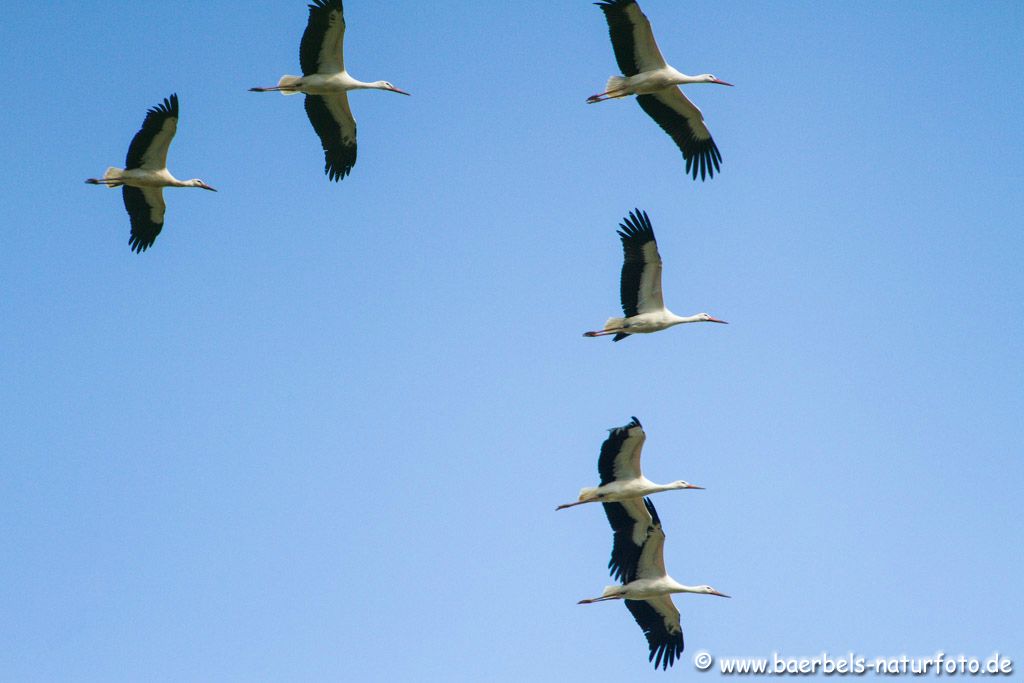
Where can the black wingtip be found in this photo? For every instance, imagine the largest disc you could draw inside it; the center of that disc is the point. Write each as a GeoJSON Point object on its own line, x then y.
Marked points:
{"type": "Point", "coordinates": [138, 246]}
{"type": "Point", "coordinates": [636, 226]}
{"type": "Point", "coordinates": [334, 173]}
{"type": "Point", "coordinates": [634, 422]}
{"type": "Point", "coordinates": [705, 162]}
{"type": "Point", "coordinates": [168, 106]}
{"type": "Point", "coordinates": [325, 4]}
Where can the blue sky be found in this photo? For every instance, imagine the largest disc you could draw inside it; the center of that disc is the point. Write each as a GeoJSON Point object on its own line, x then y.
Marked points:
{"type": "Point", "coordinates": [319, 430]}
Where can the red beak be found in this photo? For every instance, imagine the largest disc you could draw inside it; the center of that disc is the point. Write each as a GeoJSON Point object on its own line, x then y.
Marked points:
{"type": "Point", "coordinates": [721, 82]}
{"type": "Point", "coordinates": [399, 91]}
{"type": "Point", "coordinates": [716, 320]}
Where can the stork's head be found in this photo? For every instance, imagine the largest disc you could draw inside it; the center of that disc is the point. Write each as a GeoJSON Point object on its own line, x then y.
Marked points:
{"type": "Point", "coordinates": [710, 78]}
{"type": "Point", "coordinates": [196, 182]}
{"type": "Point", "coordinates": [384, 85]}
{"type": "Point", "coordinates": [708, 590]}
{"type": "Point", "coordinates": [705, 318]}
{"type": "Point", "coordinates": [686, 485]}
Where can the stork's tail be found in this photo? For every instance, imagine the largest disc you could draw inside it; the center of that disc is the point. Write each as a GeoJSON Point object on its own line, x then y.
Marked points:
{"type": "Point", "coordinates": [111, 178]}
{"type": "Point", "coordinates": [586, 496]}
{"type": "Point", "coordinates": [610, 325]}
{"type": "Point", "coordinates": [286, 84]}
{"type": "Point", "coordinates": [616, 87]}
{"type": "Point", "coordinates": [609, 593]}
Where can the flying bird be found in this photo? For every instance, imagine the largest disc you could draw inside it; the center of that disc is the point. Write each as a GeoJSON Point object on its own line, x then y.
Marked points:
{"type": "Point", "coordinates": [648, 591]}
{"type": "Point", "coordinates": [145, 174]}
{"type": "Point", "coordinates": [646, 75]}
{"type": "Point", "coordinates": [640, 285]}
{"type": "Point", "coordinates": [326, 84]}
{"type": "Point", "coordinates": [619, 468]}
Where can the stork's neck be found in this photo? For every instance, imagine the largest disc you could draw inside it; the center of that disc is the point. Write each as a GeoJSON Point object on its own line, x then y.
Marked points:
{"type": "Point", "coordinates": [679, 320]}
{"type": "Point", "coordinates": [194, 182]}
{"type": "Point", "coordinates": [676, 587]}
{"type": "Point", "coordinates": [679, 78]}
{"type": "Point", "coordinates": [658, 488]}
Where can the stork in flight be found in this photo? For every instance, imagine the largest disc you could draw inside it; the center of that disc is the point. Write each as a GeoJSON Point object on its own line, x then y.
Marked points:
{"type": "Point", "coordinates": [648, 590]}
{"type": "Point", "coordinates": [145, 174]}
{"type": "Point", "coordinates": [619, 467]}
{"type": "Point", "coordinates": [326, 84]}
{"type": "Point", "coordinates": [653, 81]}
{"type": "Point", "coordinates": [640, 285]}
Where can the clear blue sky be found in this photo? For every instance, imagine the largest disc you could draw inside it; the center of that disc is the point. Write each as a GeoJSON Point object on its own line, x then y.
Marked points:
{"type": "Point", "coordinates": [319, 430]}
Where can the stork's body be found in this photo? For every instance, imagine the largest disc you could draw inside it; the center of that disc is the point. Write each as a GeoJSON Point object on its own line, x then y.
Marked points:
{"type": "Point", "coordinates": [646, 323]}
{"type": "Point", "coordinates": [647, 593]}
{"type": "Point", "coordinates": [640, 285]}
{"type": "Point", "coordinates": [145, 174]}
{"type": "Point", "coordinates": [646, 82]}
{"type": "Point", "coordinates": [321, 84]}
{"type": "Point", "coordinates": [647, 75]}
{"type": "Point", "coordinates": [326, 84]}
{"type": "Point", "coordinates": [630, 489]}
{"type": "Point", "coordinates": [649, 589]}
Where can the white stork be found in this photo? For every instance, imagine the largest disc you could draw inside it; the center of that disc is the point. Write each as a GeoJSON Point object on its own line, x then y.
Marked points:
{"type": "Point", "coordinates": [326, 84]}
{"type": "Point", "coordinates": [145, 174]}
{"type": "Point", "coordinates": [619, 467]}
{"type": "Point", "coordinates": [640, 285]}
{"type": "Point", "coordinates": [647, 75]}
{"type": "Point", "coordinates": [647, 591]}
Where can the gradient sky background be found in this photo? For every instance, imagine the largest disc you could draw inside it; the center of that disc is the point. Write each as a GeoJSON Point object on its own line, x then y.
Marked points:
{"type": "Point", "coordinates": [319, 430]}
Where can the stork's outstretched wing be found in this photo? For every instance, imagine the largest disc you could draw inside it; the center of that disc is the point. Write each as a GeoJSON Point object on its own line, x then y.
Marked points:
{"type": "Point", "coordinates": [333, 122]}
{"type": "Point", "coordinates": [682, 120]}
{"type": "Point", "coordinates": [323, 42]}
